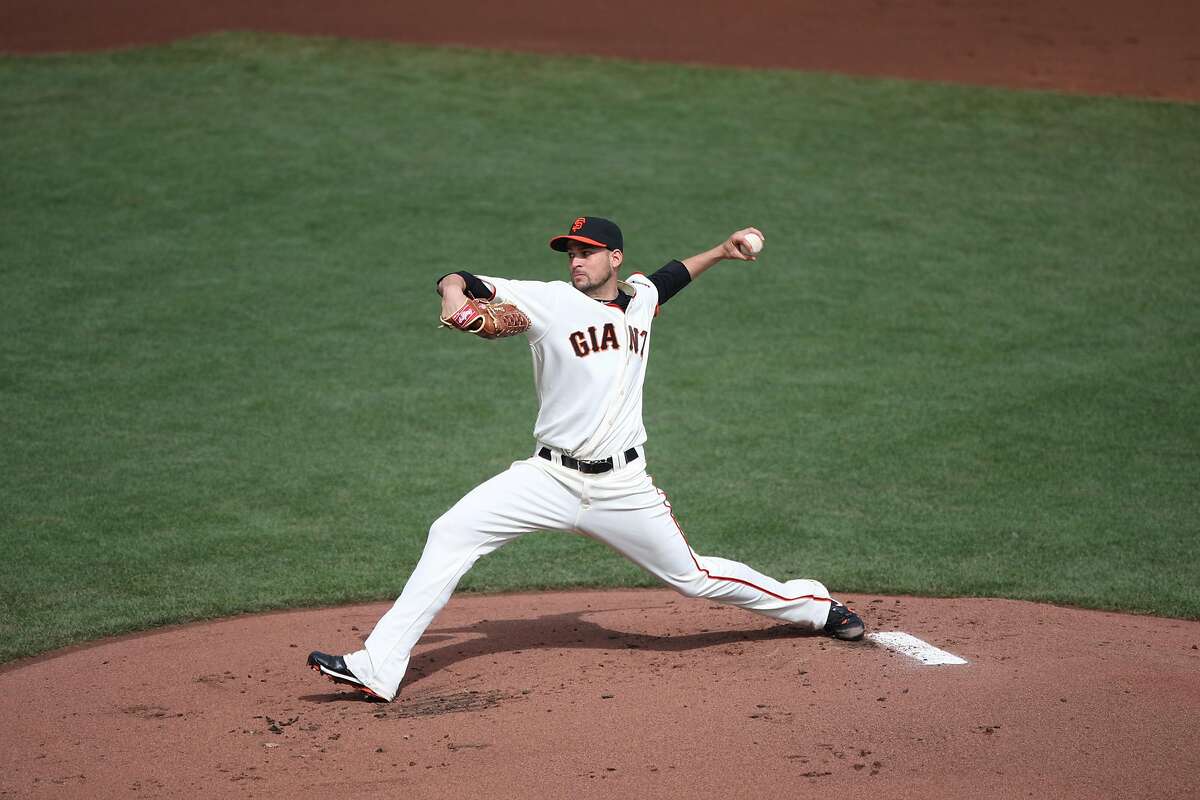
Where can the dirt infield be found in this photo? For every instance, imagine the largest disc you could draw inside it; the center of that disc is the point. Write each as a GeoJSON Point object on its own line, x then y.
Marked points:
{"type": "Point", "coordinates": [621, 694]}
{"type": "Point", "coordinates": [643, 693]}
{"type": "Point", "coordinates": [1149, 48]}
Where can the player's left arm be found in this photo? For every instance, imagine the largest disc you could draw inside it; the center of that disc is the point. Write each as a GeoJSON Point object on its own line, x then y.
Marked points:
{"type": "Point", "coordinates": [677, 274]}
{"type": "Point", "coordinates": [731, 248]}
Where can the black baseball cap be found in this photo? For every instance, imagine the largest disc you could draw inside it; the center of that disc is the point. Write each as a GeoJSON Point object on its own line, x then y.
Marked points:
{"type": "Point", "coordinates": [590, 230]}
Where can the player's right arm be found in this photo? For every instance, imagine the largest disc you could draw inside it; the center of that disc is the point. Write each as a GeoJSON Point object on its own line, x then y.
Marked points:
{"type": "Point", "coordinates": [532, 303]}
{"type": "Point", "coordinates": [453, 290]}
{"type": "Point", "coordinates": [456, 287]}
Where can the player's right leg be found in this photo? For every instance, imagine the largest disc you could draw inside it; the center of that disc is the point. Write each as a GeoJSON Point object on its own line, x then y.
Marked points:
{"type": "Point", "coordinates": [517, 501]}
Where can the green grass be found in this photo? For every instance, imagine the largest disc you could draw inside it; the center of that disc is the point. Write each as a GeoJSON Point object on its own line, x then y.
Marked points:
{"type": "Point", "coordinates": [968, 362]}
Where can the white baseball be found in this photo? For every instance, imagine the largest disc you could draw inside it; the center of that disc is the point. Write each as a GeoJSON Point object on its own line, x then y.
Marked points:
{"type": "Point", "coordinates": [751, 245]}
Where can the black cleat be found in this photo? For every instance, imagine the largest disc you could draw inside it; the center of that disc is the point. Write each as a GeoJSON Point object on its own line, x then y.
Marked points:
{"type": "Point", "coordinates": [844, 623]}
{"type": "Point", "coordinates": [334, 668]}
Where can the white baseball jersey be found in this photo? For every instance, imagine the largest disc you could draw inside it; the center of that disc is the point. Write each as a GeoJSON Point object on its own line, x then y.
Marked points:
{"type": "Point", "coordinates": [589, 363]}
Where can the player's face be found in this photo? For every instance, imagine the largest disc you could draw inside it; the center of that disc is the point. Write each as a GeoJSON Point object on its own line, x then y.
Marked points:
{"type": "Point", "coordinates": [593, 269]}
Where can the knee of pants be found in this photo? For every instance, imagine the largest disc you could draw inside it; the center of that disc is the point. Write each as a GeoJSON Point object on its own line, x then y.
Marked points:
{"type": "Point", "coordinates": [456, 529]}
{"type": "Point", "coordinates": [700, 584]}
{"type": "Point", "coordinates": [694, 585]}
{"type": "Point", "coordinates": [446, 527]}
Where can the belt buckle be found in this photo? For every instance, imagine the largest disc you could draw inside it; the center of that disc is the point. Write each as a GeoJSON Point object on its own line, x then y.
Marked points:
{"type": "Point", "coordinates": [586, 467]}
{"type": "Point", "coordinates": [595, 467]}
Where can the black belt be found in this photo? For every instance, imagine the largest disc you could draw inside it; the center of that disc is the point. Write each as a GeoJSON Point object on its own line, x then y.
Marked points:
{"type": "Point", "coordinates": [589, 467]}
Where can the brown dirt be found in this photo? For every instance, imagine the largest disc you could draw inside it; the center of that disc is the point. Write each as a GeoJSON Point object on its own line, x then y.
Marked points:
{"type": "Point", "coordinates": [1149, 48]}
{"type": "Point", "coordinates": [642, 693]}
{"type": "Point", "coordinates": [620, 694]}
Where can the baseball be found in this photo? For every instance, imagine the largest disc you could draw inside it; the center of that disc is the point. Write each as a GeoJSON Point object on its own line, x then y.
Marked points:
{"type": "Point", "coordinates": [752, 244]}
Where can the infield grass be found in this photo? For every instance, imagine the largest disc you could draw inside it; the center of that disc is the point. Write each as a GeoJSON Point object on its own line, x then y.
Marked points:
{"type": "Point", "coordinates": [968, 362]}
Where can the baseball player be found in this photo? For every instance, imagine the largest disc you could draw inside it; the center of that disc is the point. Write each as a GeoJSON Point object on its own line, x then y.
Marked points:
{"type": "Point", "coordinates": [591, 338]}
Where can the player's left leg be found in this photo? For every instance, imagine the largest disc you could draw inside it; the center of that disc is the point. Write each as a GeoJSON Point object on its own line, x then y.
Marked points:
{"type": "Point", "coordinates": [634, 517]}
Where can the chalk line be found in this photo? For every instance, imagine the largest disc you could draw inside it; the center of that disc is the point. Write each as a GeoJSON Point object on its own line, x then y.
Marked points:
{"type": "Point", "coordinates": [911, 646]}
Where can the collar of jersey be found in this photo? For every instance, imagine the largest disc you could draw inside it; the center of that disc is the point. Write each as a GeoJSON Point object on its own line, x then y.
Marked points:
{"type": "Point", "coordinates": [621, 302]}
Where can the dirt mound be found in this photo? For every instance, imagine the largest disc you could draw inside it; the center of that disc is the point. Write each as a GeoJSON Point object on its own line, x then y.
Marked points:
{"type": "Point", "coordinates": [623, 693]}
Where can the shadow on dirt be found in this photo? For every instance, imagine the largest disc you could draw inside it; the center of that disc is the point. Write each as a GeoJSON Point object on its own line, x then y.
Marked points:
{"type": "Point", "coordinates": [565, 631]}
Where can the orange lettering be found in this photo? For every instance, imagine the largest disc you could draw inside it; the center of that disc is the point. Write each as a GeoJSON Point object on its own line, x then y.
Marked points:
{"type": "Point", "coordinates": [578, 343]}
{"type": "Point", "coordinates": [610, 338]}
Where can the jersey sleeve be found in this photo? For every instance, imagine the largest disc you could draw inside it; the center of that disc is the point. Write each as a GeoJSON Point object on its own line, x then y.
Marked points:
{"type": "Point", "coordinates": [536, 298]}
{"type": "Point", "coordinates": [670, 279]}
{"type": "Point", "coordinates": [475, 287]}
{"type": "Point", "coordinates": [647, 291]}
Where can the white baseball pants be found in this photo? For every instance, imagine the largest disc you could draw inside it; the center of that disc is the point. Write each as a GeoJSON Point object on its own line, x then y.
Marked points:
{"type": "Point", "coordinates": [621, 508]}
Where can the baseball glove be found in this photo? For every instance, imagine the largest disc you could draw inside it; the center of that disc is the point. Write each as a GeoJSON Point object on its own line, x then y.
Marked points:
{"type": "Point", "coordinates": [489, 319]}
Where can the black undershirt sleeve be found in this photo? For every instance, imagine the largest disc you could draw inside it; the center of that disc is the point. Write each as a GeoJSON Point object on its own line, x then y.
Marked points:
{"type": "Point", "coordinates": [672, 277]}
{"type": "Point", "coordinates": [475, 287]}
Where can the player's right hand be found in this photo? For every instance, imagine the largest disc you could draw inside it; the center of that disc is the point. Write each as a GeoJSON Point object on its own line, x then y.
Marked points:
{"type": "Point", "coordinates": [488, 319]}
{"type": "Point", "coordinates": [453, 296]}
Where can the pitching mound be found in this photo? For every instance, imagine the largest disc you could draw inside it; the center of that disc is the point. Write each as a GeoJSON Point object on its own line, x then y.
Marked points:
{"type": "Point", "coordinates": [620, 694]}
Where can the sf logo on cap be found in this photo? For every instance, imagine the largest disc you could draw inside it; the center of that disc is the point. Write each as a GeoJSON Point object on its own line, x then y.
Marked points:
{"type": "Point", "coordinates": [577, 224]}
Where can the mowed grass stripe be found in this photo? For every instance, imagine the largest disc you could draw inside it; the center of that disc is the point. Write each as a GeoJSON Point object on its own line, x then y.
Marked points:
{"type": "Point", "coordinates": [965, 364]}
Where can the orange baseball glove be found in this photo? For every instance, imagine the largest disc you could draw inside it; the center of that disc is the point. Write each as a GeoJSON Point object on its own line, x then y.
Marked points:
{"type": "Point", "coordinates": [489, 319]}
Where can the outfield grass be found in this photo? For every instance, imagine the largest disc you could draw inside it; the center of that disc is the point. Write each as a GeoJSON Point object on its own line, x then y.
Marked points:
{"type": "Point", "coordinates": [968, 362]}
